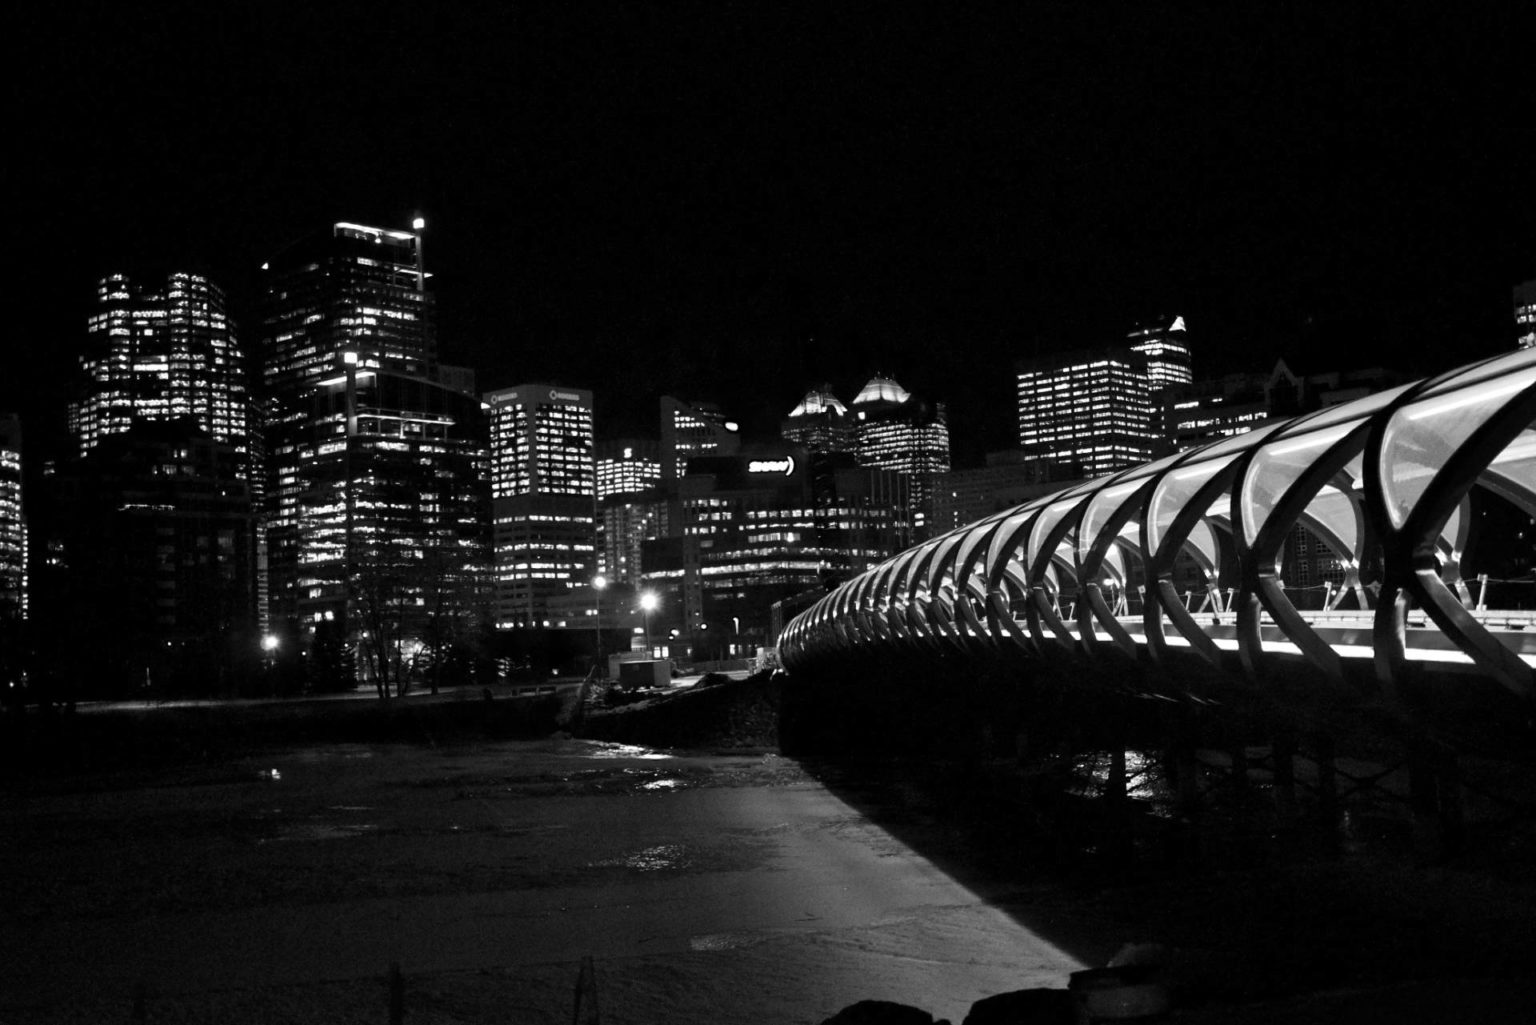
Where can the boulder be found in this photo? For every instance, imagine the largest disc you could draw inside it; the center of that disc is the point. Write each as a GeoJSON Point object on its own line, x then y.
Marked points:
{"type": "Point", "coordinates": [1024, 1007]}
{"type": "Point", "coordinates": [880, 1012]}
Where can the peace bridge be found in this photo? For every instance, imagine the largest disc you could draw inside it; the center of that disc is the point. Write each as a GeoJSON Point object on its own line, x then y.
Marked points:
{"type": "Point", "coordinates": [1169, 577]}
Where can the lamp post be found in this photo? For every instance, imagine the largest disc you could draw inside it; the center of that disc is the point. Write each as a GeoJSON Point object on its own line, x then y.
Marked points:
{"type": "Point", "coordinates": [648, 603]}
{"type": "Point", "coordinates": [598, 583]}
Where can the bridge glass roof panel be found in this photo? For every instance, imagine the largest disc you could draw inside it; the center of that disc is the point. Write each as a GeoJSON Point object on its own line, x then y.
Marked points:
{"type": "Point", "coordinates": [1353, 412]}
{"type": "Point", "coordinates": [1236, 444]}
{"type": "Point", "coordinates": [1476, 373]}
{"type": "Point", "coordinates": [1049, 518]}
{"type": "Point", "coordinates": [1107, 502]}
{"type": "Point", "coordinates": [1004, 535]}
{"type": "Point", "coordinates": [1335, 512]}
{"type": "Point", "coordinates": [1175, 490]}
{"type": "Point", "coordinates": [1203, 540]}
{"type": "Point", "coordinates": [1277, 466]}
{"type": "Point", "coordinates": [1424, 434]}
{"type": "Point", "coordinates": [1515, 467]}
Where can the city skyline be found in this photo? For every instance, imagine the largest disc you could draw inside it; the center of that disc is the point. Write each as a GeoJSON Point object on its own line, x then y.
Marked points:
{"type": "Point", "coordinates": [759, 202]}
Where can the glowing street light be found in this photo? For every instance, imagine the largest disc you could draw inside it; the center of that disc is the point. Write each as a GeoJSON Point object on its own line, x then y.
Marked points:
{"type": "Point", "coordinates": [269, 643]}
{"type": "Point", "coordinates": [418, 223]}
{"type": "Point", "coordinates": [648, 602]}
{"type": "Point", "coordinates": [599, 582]}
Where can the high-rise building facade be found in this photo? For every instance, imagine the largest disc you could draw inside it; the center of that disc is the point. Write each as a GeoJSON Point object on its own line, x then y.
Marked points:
{"type": "Point", "coordinates": [627, 466]}
{"type": "Point", "coordinates": [376, 508]}
{"type": "Point", "coordinates": [895, 431]}
{"type": "Point", "coordinates": [1165, 344]}
{"type": "Point", "coordinates": [631, 506]}
{"type": "Point", "coordinates": [763, 525]}
{"type": "Point", "coordinates": [350, 288]}
{"type": "Point", "coordinates": [543, 499]}
{"type": "Point", "coordinates": [1091, 411]}
{"type": "Point", "coordinates": [13, 528]}
{"type": "Point", "coordinates": [390, 519]}
{"type": "Point", "coordinates": [962, 497]}
{"type": "Point", "coordinates": [691, 429]}
{"type": "Point", "coordinates": [1525, 315]}
{"type": "Point", "coordinates": [164, 355]}
{"type": "Point", "coordinates": [150, 542]}
{"type": "Point", "coordinates": [819, 423]}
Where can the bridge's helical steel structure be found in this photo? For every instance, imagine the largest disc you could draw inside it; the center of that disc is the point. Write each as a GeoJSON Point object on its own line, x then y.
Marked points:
{"type": "Point", "coordinates": [1384, 482]}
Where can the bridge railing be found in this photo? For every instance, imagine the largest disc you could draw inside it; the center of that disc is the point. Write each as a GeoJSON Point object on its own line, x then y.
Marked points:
{"type": "Point", "coordinates": [1396, 485]}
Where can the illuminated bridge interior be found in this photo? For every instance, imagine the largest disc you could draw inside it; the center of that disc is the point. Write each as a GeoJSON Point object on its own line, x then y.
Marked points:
{"type": "Point", "coordinates": [1186, 557]}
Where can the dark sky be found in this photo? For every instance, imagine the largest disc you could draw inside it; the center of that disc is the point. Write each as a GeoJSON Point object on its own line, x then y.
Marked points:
{"type": "Point", "coordinates": [741, 200]}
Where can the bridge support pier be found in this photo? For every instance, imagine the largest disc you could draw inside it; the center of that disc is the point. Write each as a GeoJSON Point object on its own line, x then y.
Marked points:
{"type": "Point", "coordinates": [1282, 753]}
{"type": "Point", "coordinates": [1434, 794]}
{"type": "Point", "coordinates": [1323, 753]}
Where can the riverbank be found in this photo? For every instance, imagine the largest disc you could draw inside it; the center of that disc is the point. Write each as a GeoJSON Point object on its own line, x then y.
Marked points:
{"type": "Point", "coordinates": [296, 852]}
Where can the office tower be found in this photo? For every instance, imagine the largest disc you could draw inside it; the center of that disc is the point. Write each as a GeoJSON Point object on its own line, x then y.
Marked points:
{"type": "Point", "coordinates": [766, 524]}
{"type": "Point", "coordinates": [149, 583]}
{"type": "Point", "coordinates": [1089, 410]}
{"type": "Point", "coordinates": [1525, 315]}
{"type": "Point", "coordinates": [1165, 345]}
{"type": "Point", "coordinates": [1202, 412]}
{"type": "Point", "coordinates": [350, 288]}
{"type": "Point", "coordinates": [895, 431]}
{"type": "Point", "coordinates": [693, 429]}
{"type": "Point", "coordinates": [161, 356]}
{"type": "Point", "coordinates": [961, 497]}
{"type": "Point", "coordinates": [376, 501]}
{"type": "Point", "coordinates": [543, 499]}
{"type": "Point", "coordinates": [819, 423]}
{"type": "Point", "coordinates": [13, 538]}
{"type": "Point", "coordinates": [627, 466]}
{"type": "Point", "coordinates": [631, 506]}
{"type": "Point", "coordinates": [389, 522]}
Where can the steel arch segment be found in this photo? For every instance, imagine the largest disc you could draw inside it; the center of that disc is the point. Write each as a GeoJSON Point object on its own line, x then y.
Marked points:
{"type": "Point", "coordinates": [1422, 528]}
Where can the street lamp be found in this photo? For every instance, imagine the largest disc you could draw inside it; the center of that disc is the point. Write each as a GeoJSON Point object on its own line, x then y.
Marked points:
{"type": "Point", "coordinates": [598, 583]}
{"type": "Point", "coordinates": [648, 603]}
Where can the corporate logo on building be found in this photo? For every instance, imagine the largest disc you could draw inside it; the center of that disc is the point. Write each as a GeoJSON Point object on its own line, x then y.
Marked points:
{"type": "Point", "coordinates": [786, 466]}
{"type": "Point", "coordinates": [539, 393]}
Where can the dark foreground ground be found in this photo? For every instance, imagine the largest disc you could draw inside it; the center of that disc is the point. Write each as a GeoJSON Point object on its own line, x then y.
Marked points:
{"type": "Point", "coordinates": [246, 877]}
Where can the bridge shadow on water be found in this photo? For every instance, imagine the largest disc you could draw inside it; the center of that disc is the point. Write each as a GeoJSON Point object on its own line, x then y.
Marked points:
{"type": "Point", "coordinates": [1255, 890]}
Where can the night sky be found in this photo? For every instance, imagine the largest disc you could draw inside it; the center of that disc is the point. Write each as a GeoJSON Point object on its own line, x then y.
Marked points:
{"type": "Point", "coordinates": [738, 201]}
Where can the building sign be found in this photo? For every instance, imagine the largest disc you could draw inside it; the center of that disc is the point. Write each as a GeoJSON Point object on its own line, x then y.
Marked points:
{"type": "Point", "coordinates": [786, 466]}
{"type": "Point", "coordinates": [564, 396]}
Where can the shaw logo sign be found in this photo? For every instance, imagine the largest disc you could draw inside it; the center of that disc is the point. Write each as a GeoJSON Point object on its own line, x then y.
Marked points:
{"type": "Point", "coordinates": [564, 396]}
{"type": "Point", "coordinates": [786, 466]}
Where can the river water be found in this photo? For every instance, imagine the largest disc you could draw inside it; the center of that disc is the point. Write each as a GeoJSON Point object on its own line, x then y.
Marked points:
{"type": "Point", "coordinates": [282, 887]}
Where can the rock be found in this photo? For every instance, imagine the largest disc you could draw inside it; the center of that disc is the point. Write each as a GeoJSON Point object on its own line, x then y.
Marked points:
{"type": "Point", "coordinates": [1125, 993]}
{"type": "Point", "coordinates": [880, 1012]}
{"type": "Point", "coordinates": [1024, 1007]}
{"type": "Point", "coordinates": [1190, 976]}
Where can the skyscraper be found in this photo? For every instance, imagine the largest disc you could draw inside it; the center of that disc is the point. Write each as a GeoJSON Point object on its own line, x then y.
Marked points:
{"type": "Point", "coordinates": [1091, 410]}
{"type": "Point", "coordinates": [1525, 315]}
{"type": "Point", "coordinates": [161, 356]}
{"type": "Point", "coordinates": [543, 499]}
{"type": "Point", "coordinates": [893, 430]}
{"type": "Point", "coordinates": [819, 423]}
{"type": "Point", "coordinates": [767, 524]}
{"type": "Point", "coordinates": [13, 528]}
{"type": "Point", "coordinates": [376, 504]}
{"type": "Point", "coordinates": [1165, 344]}
{"type": "Point", "coordinates": [627, 466]}
{"type": "Point", "coordinates": [691, 429]}
{"type": "Point", "coordinates": [150, 541]}
{"type": "Point", "coordinates": [631, 505]}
